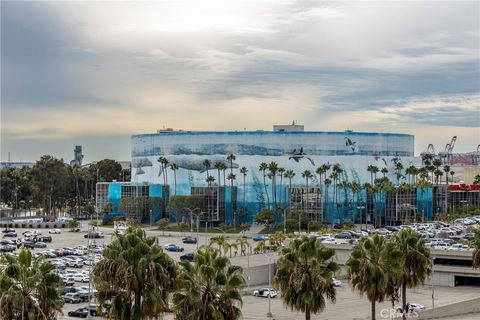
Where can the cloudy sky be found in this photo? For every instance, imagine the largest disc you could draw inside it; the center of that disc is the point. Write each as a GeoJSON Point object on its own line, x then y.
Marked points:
{"type": "Point", "coordinates": [93, 73]}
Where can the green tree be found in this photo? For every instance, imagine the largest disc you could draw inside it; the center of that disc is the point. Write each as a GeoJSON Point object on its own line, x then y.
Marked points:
{"type": "Point", "coordinates": [29, 288]}
{"type": "Point", "coordinates": [135, 275]}
{"type": "Point", "coordinates": [475, 243]}
{"type": "Point", "coordinates": [49, 181]}
{"type": "Point", "coordinates": [476, 180]}
{"type": "Point", "coordinates": [109, 170]}
{"type": "Point", "coordinates": [243, 171]}
{"type": "Point", "coordinates": [163, 224]}
{"type": "Point", "coordinates": [73, 224]}
{"type": "Point", "coordinates": [415, 261]}
{"type": "Point", "coordinates": [306, 175]}
{"type": "Point", "coordinates": [220, 241]}
{"type": "Point", "coordinates": [207, 164]}
{"type": "Point", "coordinates": [177, 205]}
{"type": "Point", "coordinates": [265, 217]}
{"type": "Point", "coordinates": [304, 275]}
{"type": "Point", "coordinates": [273, 169]}
{"type": "Point", "coordinates": [371, 267]}
{"type": "Point", "coordinates": [209, 288]}
{"type": "Point", "coordinates": [243, 245]}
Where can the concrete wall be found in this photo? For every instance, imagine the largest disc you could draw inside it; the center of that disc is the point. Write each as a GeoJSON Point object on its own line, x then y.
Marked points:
{"type": "Point", "coordinates": [258, 275]}
{"type": "Point", "coordinates": [454, 309]}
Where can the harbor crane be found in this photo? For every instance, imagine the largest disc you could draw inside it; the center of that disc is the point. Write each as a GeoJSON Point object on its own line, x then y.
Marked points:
{"type": "Point", "coordinates": [430, 151]}
{"type": "Point", "coordinates": [446, 154]}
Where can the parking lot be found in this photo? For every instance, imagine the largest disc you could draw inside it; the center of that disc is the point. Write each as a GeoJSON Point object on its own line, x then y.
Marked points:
{"type": "Point", "coordinates": [349, 304]}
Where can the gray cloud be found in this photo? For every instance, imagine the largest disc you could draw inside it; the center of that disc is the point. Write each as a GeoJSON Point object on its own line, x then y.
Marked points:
{"type": "Point", "coordinates": [112, 68]}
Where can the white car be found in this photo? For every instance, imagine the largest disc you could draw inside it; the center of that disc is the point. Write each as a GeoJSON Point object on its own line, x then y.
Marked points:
{"type": "Point", "coordinates": [265, 292]}
{"type": "Point", "coordinates": [55, 231]}
{"type": "Point", "coordinates": [337, 283]}
{"type": "Point", "coordinates": [80, 278]}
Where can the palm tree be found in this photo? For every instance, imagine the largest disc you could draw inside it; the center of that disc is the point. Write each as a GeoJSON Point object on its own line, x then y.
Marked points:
{"type": "Point", "coordinates": [373, 169]}
{"type": "Point", "coordinates": [398, 171]}
{"type": "Point", "coordinates": [243, 171]}
{"type": "Point", "coordinates": [438, 176]}
{"type": "Point", "coordinates": [164, 163]}
{"type": "Point", "coordinates": [174, 168]}
{"type": "Point", "coordinates": [452, 173]}
{"type": "Point", "coordinates": [322, 171]}
{"type": "Point", "coordinates": [206, 163]}
{"type": "Point", "coordinates": [446, 169]}
{"type": "Point", "coordinates": [243, 245]}
{"type": "Point", "coordinates": [415, 261]}
{"type": "Point", "coordinates": [218, 166]}
{"type": "Point", "coordinates": [210, 180]}
{"type": "Point", "coordinates": [135, 275]}
{"type": "Point", "coordinates": [220, 241]}
{"type": "Point", "coordinates": [336, 171]}
{"type": "Point", "coordinates": [289, 174]}
{"type": "Point", "coordinates": [475, 243]}
{"type": "Point", "coordinates": [29, 288]}
{"type": "Point", "coordinates": [384, 171]}
{"type": "Point", "coordinates": [281, 171]}
{"type": "Point", "coordinates": [263, 167]}
{"type": "Point", "coordinates": [232, 177]}
{"type": "Point", "coordinates": [273, 168]}
{"type": "Point", "coordinates": [224, 168]}
{"type": "Point", "coordinates": [356, 189]}
{"type": "Point", "coordinates": [304, 275]}
{"type": "Point", "coordinates": [307, 175]}
{"type": "Point", "coordinates": [327, 183]}
{"type": "Point", "coordinates": [370, 267]}
{"type": "Point", "coordinates": [209, 288]}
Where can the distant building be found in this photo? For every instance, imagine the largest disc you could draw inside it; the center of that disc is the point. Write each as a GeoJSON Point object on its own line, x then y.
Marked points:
{"type": "Point", "coordinates": [77, 156]}
{"type": "Point", "coordinates": [289, 127]}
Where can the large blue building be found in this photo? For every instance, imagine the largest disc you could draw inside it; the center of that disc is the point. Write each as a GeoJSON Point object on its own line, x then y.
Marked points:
{"type": "Point", "coordinates": [289, 147]}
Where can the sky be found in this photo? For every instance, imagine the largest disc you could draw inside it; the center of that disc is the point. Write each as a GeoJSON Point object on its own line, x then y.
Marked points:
{"type": "Point", "coordinates": [94, 73]}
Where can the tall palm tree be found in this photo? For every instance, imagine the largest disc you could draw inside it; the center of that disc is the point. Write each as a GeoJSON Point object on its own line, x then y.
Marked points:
{"type": "Point", "coordinates": [281, 171]}
{"type": "Point", "coordinates": [373, 169]}
{"type": "Point", "coordinates": [135, 275]}
{"type": "Point", "coordinates": [452, 173]}
{"type": "Point", "coordinates": [207, 164]}
{"type": "Point", "coordinates": [438, 176]}
{"type": "Point", "coordinates": [398, 171]}
{"type": "Point", "coordinates": [164, 163]}
{"type": "Point", "coordinates": [243, 245]}
{"type": "Point", "coordinates": [243, 171]}
{"type": "Point", "coordinates": [220, 241]}
{"type": "Point", "coordinates": [475, 243]}
{"type": "Point", "coordinates": [218, 166]}
{"type": "Point", "coordinates": [306, 175]}
{"type": "Point", "coordinates": [263, 167]}
{"type": "Point", "coordinates": [174, 168]}
{"type": "Point", "coordinates": [210, 180]}
{"type": "Point", "coordinates": [336, 172]}
{"type": "Point", "coordinates": [322, 171]}
{"type": "Point", "coordinates": [415, 261]}
{"type": "Point", "coordinates": [224, 168]}
{"type": "Point", "coordinates": [273, 168]}
{"type": "Point", "coordinates": [371, 267]}
{"type": "Point", "coordinates": [384, 171]}
{"type": "Point", "coordinates": [232, 177]}
{"type": "Point", "coordinates": [446, 169]}
{"type": "Point", "coordinates": [289, 174]}
{"type": "Point", "coordinates": [209, 288]}
{"type": "Point", "coordinates": [327, 183]}
{"type": "Point", "coordinates": [304, 275]}
{"type": "Point", "coordinates": [356, 189]}
{"type": "Point", "coordinates": [29, 288]}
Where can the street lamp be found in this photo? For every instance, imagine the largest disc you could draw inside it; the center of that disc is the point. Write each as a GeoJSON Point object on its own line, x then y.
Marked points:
{"type": "Point", "coordinates": [269, 313]}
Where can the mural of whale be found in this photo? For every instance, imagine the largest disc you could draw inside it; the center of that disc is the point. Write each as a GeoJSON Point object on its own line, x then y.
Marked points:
{"type": "Point", "coordinates": [141, 163]}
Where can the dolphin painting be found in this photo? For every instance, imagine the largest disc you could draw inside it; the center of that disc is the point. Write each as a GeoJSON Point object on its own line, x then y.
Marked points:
{"type": "Point", "coordinates": [300, 154]}
{"type": "Point", "coordinates": [350, 143]}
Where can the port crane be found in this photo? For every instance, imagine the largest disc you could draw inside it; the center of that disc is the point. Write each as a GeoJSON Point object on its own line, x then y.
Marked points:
{"type": "Point", "coordinates": [446, 154]}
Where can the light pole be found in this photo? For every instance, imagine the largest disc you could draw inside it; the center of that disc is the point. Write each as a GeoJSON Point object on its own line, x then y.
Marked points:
{"type": "Point", "coordinates": [361, 217]}
{"type": "Point", "coordinates": [269, 313]}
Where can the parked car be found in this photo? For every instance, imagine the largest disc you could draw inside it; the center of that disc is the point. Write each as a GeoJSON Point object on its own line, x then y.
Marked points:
{"type": "Point", "coordinates": [189, 240]}
{"type": "Point", "coordinates": [173, 247]}
{"type": "Point", "coordinates": [39, 245]}
{"type": "Point", "coordinates": [7, 230]}
{"type": "Point", "coordinates": [80, 278]}
{"type": "Point", "coordinates": [80, 313]}
{"type": "Point", "coordinates": [72, 298]}
{"type": "Point", "coordinates": [7, 248]}
{"type": "Point", "coordinates": [11, 234]}
{"type": "Point", "coordinates": [265, 292]}
{"type": "Point", "coordinates": [336, 283]}
{"type": "Point", "coordinates": [68, 289]}
{"type": "Point", "coordinates": [29, 244]}
{"type": "Point", "coordinates": [187, 257]}
{"type": "Point", "coordinates": [260, 238]}
{"type": "Point", "coordinates": [55, 231]}
{"type": "Point", "coordinates": [94, 235]}
{"type": "Point", "coordinates": [44, 239]}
